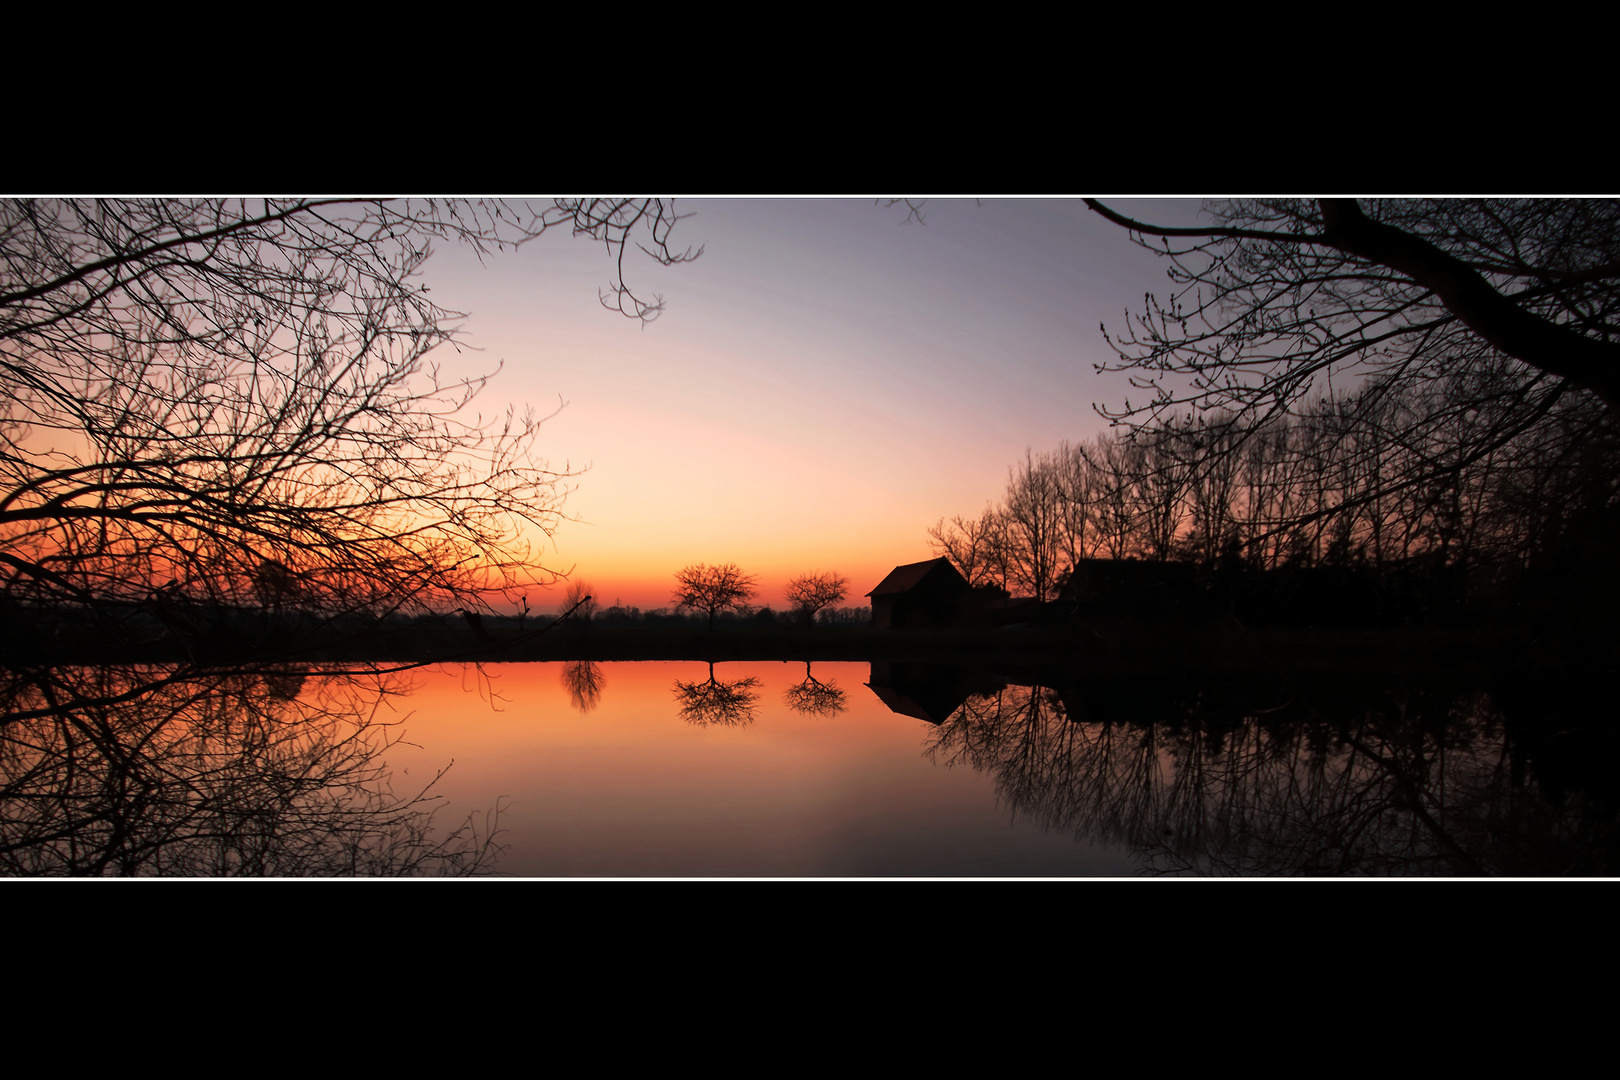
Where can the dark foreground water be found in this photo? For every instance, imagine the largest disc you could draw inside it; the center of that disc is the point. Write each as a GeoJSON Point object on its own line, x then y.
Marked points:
{"type": "Point", "coordinates": [766, 769]}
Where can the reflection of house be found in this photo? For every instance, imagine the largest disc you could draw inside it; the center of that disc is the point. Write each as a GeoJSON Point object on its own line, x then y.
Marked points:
{"type": "Point", "coordinates": [920, 594]}
{"type": "Point", "coordinates": [930, 692]}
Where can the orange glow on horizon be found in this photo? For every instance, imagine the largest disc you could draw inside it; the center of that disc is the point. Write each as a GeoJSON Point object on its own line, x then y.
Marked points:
{"type": "Point", "coordinates": [650, 589]}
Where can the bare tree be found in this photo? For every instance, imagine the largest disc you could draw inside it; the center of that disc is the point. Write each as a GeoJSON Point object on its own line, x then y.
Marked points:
{"type": "Point", "coordinates": [1115, 462]}
{"type": "Point", "coordinates": [578, 602]}
{"type": "Point", "coordinates": [1160, 487]}
{"type": "Point", "coordinates": [712, 589]}
{"type": "Point", "coordinates": [974, 545]}
{"type": "Point", "coordinates": [1483, 319]}
{"type": "Point", "coordinates": [809, 593]}
{"type": "Point", "coordinates": [1277, 292]}
{"type": "Point", "coordinates": [1033, 513]}
{"type": "Point", "coordinates": [1211, 488]}
{"type": "Point", "coordinates": [235, 397]}
{"type": "Point", "coordinates": [1079, 499]}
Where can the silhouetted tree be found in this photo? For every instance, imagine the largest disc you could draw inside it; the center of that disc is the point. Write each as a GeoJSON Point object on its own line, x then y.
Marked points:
{"type": "Point", "coordinates": [236, 397]}
{"type": "Point", "coordinates": [578, 600]}
{"type": "Point", "coordinates": [1417, 523]}
{"type": "Point", "coordinates": [1114, 463]}
{"type": "Point", "coordinates": [1114, 496]}
{"type": "Point", "coordinates": [726, 704]}
{"type": "Point", "coordinates": [1033, 513]}
{"type": "Point", "coordinates": [814, 697]}
{"type": "Point", "coordinates": [1441, 336]}
{"type": "Point", "coordinates": [1276, 292]}
{"type": "Point", "coordinates": [712, 589]}
{"type": "Point", "coordinates": [809, 593]}
{"type": "Point", "coordinates": [974, 545]}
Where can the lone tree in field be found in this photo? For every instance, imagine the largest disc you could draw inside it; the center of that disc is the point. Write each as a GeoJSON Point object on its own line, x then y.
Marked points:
{"type": "Point", "coordinates": [809, 593]}
{"type": "Point", "coordinates": [713, 589]}
{"type": "Point", "coordinates": [578, 603]}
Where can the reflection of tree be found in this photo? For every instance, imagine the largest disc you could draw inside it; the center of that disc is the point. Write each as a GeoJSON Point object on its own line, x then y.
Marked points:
{"type": "Point", "coordinates": [228, 775]}
{"type": "Point", "coordinates": [583, 680]}
{"type": "Point", "coordinates": [728, 704]}
{"type": "Point", "coordinates": [1082, 778]}
{"type": "Point", "coordinates": [1204, 781]}
{"type": "Point", "coordinates": [1380, 796]}
{"type": "Point", "coordinates": [814, 697]}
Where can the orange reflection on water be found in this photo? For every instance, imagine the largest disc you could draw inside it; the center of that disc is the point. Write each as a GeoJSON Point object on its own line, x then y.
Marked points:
{"type": "Point", "coordinates": [630, 789]}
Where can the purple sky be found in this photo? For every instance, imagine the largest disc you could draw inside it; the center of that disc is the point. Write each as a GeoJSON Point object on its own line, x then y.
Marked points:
{"type": "Point", "coordinates": [826, 382]}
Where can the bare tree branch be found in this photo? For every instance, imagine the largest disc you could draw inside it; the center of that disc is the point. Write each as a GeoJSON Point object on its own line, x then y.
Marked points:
{"type": "Point", "coordinates": [197, 392]}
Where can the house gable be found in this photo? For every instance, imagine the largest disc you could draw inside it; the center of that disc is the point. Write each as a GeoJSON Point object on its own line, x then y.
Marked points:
{"type": "Point", "coordinates": [930, 593]}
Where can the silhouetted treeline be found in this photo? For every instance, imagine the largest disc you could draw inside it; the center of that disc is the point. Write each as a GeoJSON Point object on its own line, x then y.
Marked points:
{"type": "Point", "coordinates": [623, 615]}
{"type": "Point", "coordinates": [173, 626]}
{"type": "Point", "coordinates": [1322, 511]}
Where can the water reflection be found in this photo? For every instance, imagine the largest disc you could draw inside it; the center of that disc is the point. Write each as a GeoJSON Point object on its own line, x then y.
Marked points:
{"type": "Point", "coordinates": [1240, 778]}
{"type": "Point", "coordinates": [812, 697]}
{"type": "Point", "coordinates": [583, 679]}
{"type": "Point", "coordinates": [145, 771]}
{"type": "Point", "coordinates": [927, 691]}
{"type": "Point", "coordinates": [727, 704]}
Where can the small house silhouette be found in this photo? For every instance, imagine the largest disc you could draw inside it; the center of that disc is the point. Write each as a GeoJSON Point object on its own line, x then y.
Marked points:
{"type": "Point", "coordinates": [920, 595]}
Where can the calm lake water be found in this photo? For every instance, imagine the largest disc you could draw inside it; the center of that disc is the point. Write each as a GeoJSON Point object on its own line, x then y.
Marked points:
{"type": "Point", "coordinates": [627, 785]}
{"type": "Point", "coordinates": [769, 769]}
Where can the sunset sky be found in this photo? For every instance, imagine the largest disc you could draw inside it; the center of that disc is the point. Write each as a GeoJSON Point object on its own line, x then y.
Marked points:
{"type": "Point", "coordinates": [826, 382]}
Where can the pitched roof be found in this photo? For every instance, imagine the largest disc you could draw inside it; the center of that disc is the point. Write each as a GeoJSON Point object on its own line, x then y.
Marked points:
{"type": "Point", "coordinates": [904, 578]}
